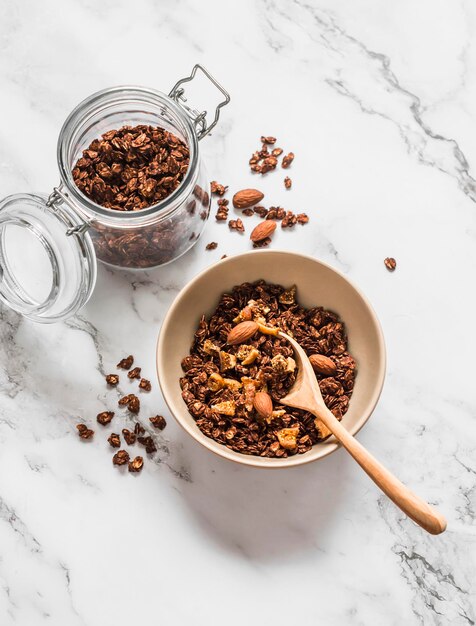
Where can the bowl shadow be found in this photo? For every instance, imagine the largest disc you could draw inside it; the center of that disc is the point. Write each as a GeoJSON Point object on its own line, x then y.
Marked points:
{"type": "Point", "coordinates": [262, 514]}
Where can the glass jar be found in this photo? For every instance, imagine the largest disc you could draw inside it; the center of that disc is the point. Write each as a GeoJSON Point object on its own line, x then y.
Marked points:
{"type": "Point", "coordinates": [49, 244]}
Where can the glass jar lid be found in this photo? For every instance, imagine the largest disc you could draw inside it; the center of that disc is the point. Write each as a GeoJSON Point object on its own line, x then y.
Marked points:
{"type": "Point", "coordinates": [47, 261]}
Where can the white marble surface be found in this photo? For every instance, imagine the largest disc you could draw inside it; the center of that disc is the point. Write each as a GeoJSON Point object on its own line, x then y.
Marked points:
{"type": "Point", "coordinates": [377, 100]}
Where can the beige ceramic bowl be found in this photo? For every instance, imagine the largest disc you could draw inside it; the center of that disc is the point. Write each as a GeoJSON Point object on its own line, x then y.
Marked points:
{"type": "Point", "coordinates": [318, 285]}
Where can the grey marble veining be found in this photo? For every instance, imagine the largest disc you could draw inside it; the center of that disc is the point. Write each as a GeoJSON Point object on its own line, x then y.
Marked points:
{"type": "Point", "coordinates": [378, 103]}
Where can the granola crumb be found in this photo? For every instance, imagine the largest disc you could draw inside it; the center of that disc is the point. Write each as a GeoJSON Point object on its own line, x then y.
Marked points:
{"type": "Point", "coordinates": [145, 384]}
{"type": "Point", "coordinates": [121, 458]}
{"type": "Point", "coordinates": [217, 188]}
{"type": "Point", "coordinates": [260, 210]}
{"type": "Point", "coordinates": [129, 436]}
{"type": "Point", "coordinates": [264, 243]}
{"type": "Point", "coordinates": [114, 440]}
{"type": "Point", "coordinates": [126, 363]}
{"type": "Point", "coordinates": [105, 417]}
{"type": "Point", "coordinates": [138, 429]}
{"type": "Point", "coordinates": [136, 464]}
{"type": "Point", "coordinates": [287, 160]}
{"type": "Point", "coordinates": [158, 421]}
{"type": "Point", "coordinates": [131, 401]}
{"type": "Point", "coordinates": [134, 373]}
{"type": "Point", "coordinates": [134, 405]}
{"type": "Point", "coordinates": [84, 432]}
{"type": "Point", "coordinates": [302, 218]}
{"type": "Point", "coordinates": [213, 245]}
{"type": "Point", "coordinates": [390, 264]}
{"type": "Point", "coordinates": [112, 380]}
{"type": "Point", "coordinates": [149, 444]}
{"type": "Point", "coordinates": [236, 225]}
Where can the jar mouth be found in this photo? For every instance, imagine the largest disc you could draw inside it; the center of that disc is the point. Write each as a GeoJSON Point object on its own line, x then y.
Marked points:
{"type": "Point", "coordinates": [133, 105]}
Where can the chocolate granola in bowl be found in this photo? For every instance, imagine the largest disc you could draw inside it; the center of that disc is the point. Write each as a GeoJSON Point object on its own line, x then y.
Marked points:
{"type": "Point", "coordinates": [238, 369]}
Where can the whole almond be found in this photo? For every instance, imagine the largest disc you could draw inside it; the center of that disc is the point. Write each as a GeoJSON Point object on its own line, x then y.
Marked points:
{"type": "Point", "coordinates": [241, 333]}
{"type": "Point", "coordinates": [263, 404]}
{"type": "Point", "coordinates": [247, 197]}
{"type": "Point", "coordinates": [263, 230]}
{"type": "Point", "coordinates": [323, 364]}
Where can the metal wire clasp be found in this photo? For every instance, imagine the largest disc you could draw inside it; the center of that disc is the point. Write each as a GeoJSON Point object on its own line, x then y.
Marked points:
{"type": "Point", "coordinates": [199, 119]}
{"type": "Point", "coordinates": [57, 197]}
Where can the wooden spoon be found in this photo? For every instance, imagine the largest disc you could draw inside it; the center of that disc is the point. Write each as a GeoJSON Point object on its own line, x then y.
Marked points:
{"type": "Point", "coordinates": [306, 395]}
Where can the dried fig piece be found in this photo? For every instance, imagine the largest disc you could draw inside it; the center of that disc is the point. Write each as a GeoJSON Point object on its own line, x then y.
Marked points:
{"type": "Point", "coordinates": [287, 437]}
{"type": "Point", "coordinates": [227, 361]}
{"type": "Point", "coordinates": [215, 382]}
{"type": "Point", "coordinates": [224, 408]}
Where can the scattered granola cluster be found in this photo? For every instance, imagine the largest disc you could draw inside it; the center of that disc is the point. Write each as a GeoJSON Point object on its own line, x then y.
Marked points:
{"type": "Point", "coordinates": [133, 404]}
{"type": "Point", "coordinates": [238, 369]}
{"type": "Point", "coordinates": [248, 200]}
{"type": "Point", "coordinates": [263, 161]}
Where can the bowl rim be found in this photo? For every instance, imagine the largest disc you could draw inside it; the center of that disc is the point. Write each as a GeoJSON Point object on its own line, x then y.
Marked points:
{"type": "Point", "coordinates": [251, 460]}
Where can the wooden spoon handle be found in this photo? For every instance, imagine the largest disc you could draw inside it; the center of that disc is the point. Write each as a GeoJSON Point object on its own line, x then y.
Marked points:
{"type": "Point", "coordinates": [417, 509]}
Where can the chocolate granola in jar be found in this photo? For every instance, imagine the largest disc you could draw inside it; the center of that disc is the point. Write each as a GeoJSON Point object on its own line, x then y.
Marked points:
{"type": "Point", "coordinates": [133, 194]}
{"type": "Point", "coordinates": [129, 159]}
